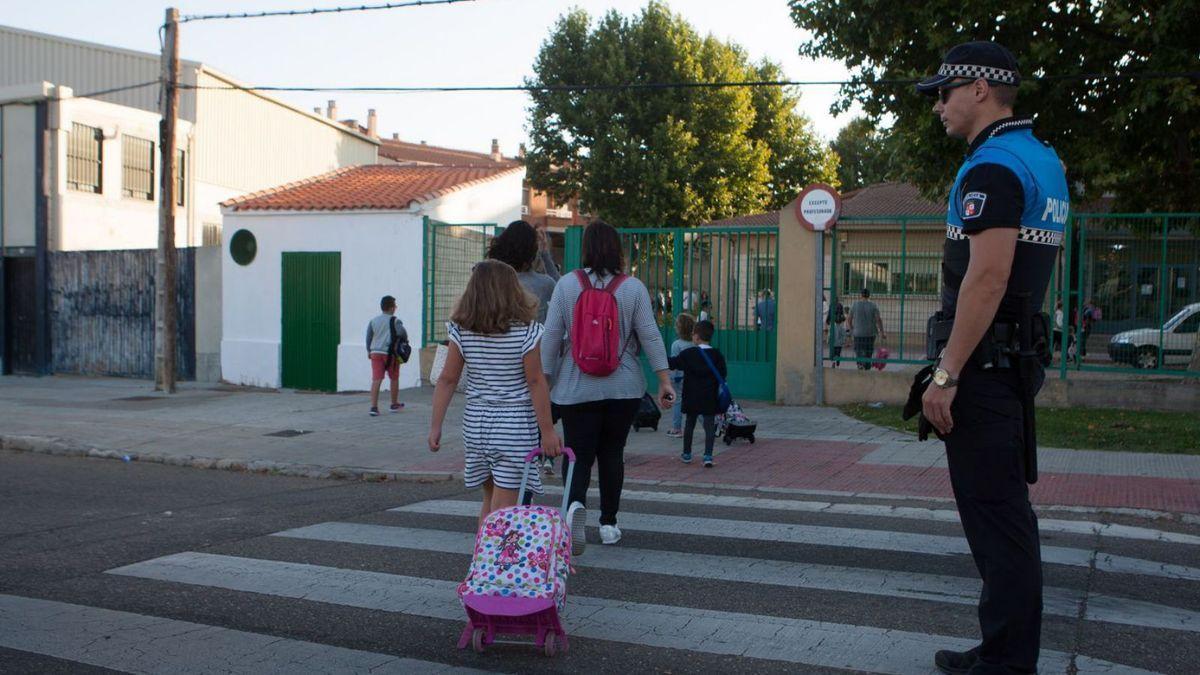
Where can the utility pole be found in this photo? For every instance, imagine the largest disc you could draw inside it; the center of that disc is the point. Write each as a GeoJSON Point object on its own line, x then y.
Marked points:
{"type": "Point", "coordinates": [165, 310]}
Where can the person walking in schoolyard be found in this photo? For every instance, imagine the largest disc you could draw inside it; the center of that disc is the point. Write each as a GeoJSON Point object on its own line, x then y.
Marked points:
{"type": "Point", "coordinates": [524, 248]}
{"type": "Point", "coordinates": [1007, 210]}
{"type": "Point", "coordinates": [382, 333]}
{"type": "Point", "coordinates": [703, 369]}
{"type": "Point", "coordinates": [764, 311]}
{"type": "Point", "coordinates": [492, 330]}
{"type": "Point", "coordinates": [598, 322]}
{"type": "Point", "coordinates": [685, 325]}
{"type": "Point", "coordinates": [865, 326]}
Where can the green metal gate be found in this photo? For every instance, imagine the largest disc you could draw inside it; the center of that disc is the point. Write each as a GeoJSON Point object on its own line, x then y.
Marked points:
{"type": "Point", "coordinates": [312, 284]}
{"type": "Point", "coordinates": [451, 251]}
{"type": "Point", "coordinates": [720, 270]}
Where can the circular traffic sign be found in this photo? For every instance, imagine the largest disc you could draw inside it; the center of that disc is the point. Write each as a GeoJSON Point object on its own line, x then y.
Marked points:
{"type": "Point", "coordinates": [818, 207]}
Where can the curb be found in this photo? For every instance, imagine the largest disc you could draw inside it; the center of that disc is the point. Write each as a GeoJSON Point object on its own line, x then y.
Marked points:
{"type": "Point", "coordinates": [45, 445]}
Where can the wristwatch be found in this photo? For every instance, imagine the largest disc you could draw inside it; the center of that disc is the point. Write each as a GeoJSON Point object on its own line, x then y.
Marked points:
{"type": "Point", "coordinates": [941, 378]}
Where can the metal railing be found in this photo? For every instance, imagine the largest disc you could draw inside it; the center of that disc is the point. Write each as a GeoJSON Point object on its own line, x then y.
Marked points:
{"type": "Point", "coordinates": [1124, 296]}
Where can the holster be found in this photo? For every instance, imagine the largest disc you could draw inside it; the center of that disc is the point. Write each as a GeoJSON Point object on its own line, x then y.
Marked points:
{"type": "Point", "coordinates": [914, 404]}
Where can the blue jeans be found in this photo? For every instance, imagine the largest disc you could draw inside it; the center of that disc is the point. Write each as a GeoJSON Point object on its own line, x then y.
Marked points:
{"type": "Point", "coordinates": [677, 409]}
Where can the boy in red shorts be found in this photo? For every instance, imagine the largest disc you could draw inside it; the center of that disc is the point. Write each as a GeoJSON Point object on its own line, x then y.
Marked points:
{"type": "Point", "coordinates": [379, 346]}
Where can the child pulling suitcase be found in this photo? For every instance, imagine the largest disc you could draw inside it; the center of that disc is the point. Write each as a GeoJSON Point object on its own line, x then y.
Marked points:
{"type": "Point", "coordinates": [517, 583]}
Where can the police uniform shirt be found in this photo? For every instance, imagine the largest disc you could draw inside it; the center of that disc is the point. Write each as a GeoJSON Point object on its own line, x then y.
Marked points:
{"type": "Point", "coordinates": [1009, 179]}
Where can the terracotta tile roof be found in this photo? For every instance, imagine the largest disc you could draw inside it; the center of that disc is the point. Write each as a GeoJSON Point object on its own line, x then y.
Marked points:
{"type": "Point", "coordinates": [769, 218]}
{"type": "Point", "coordinates": [889, 199]}
{"type": "Point", "coordinates": [371, 186]}
{"type": "Point", "coordinates": [420, 153]}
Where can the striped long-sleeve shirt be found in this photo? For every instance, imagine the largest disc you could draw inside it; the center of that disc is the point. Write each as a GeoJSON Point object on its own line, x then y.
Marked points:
{"type": "Point", "coordinates": [640, 334]}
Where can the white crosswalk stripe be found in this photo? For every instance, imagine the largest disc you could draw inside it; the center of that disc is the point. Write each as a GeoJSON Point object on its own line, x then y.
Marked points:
{"type": "Point", "coordinates": [1087, 527]}
{"type": "Point", "coordinates": [858, 619]}
{"type": "Point", "coordinates": [146, 644]}
{"type": "Point", "coordinates": [819, 535]}
{"type": "Point", "coordinates": [932, 587]}
{"type": "Point", "coordinates": [794, 640]}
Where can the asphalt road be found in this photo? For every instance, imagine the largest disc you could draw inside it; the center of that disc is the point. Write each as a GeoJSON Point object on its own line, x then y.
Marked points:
{"type": "Point", "coordinates": [108, 566]}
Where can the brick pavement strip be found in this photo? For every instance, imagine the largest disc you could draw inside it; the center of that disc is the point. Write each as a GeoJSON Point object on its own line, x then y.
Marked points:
{"type": "Point", "coordinates": [800, 448]}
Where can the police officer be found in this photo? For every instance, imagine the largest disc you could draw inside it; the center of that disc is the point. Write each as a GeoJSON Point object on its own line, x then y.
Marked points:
{"type": "Point", "coordinates": [1007, 211]}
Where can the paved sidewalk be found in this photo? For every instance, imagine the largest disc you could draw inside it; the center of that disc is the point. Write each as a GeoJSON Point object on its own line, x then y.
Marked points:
{"type": "Point", "coordinates": [809, 450]}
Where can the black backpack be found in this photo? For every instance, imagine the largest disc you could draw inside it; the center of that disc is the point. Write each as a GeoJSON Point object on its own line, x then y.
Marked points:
{"type": "Point", "coordinates": [399, 347]}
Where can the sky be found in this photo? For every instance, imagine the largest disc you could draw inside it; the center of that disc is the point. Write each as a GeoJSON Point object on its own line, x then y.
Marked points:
{"type": "Point", "coordinates": [484, 42]}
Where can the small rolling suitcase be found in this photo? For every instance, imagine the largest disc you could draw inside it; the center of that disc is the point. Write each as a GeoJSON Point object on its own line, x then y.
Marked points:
{"type": "Point", "coordinates": [735, 424]}
{"type": "Point", "coordinates": [517, 583]}
{"type": "Point", "coordinates": [648, 414]}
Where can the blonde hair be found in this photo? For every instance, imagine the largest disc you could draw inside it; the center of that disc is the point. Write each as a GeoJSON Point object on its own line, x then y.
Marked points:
{"type": "Point", "coordinates": [494, 300]}
{"type": "Point", "coordinates": [684, 325]}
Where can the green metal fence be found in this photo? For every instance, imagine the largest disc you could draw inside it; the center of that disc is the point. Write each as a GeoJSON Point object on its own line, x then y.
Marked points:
{"type": "Point", "coordinates": [451, 251]}
{"type": "Point", "coordinates": [1124, 296]}
{"type": "Point", "coordinates": [719, 271]}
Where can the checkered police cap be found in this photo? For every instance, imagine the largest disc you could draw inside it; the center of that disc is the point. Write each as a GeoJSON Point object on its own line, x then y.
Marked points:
{"type": "Point", "coordinates": [974, 60]}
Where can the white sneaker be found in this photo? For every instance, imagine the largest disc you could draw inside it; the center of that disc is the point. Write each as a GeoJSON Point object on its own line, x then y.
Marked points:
{"type": "Point", "coordinates": [577, 519]}
{"type": "Point", "coordinates": [610, 534]}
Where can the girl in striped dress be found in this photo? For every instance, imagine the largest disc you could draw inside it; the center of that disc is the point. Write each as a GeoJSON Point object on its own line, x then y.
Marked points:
{"type": "Point", "coordinates": [492, 329]}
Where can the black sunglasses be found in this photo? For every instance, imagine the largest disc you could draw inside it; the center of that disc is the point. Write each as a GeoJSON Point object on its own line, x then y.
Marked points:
{"type": "Point", "coordinates": [944, 92]}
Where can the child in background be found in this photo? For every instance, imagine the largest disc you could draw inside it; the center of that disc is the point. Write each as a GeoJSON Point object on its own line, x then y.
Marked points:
{"type": "Point", "coordinates": [493, 329]}
{"type": "Point", "coordinates": [684, 325]}
{"type": "Point", "coordinates": [700, 389]}
{"type": "Point", "coordinates": [383, 362]}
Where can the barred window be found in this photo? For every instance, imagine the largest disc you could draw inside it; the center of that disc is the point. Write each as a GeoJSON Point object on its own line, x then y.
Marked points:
{"type": "Point", "coordinates": [85, 157]}
{"type": "Point", "coordinates": [180, 172]}
{"type": "Point", "coordinates": [137, 168]}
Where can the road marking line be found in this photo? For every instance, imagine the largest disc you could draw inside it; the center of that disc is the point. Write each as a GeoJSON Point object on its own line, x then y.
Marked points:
{"type": "Point", "coordinates": [1083, 527]}
{"type": "Point", "coordinates": [801, 641]}
{"type": "Point", "coordinates": [887, 583]}
{"type": "Point", "coordinates": [139, 643]}
{"type": "Point", "coordinates": [844, 537]}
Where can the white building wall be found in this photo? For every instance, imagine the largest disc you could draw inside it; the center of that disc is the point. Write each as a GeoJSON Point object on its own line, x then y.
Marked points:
{"type": "Point", "coordinates": [495, 201]}
{"type": "Point", "coordinates": [380, 255]}
{"type": "Point", "coordinates": [83, 221]}
{"type": "Point", "coordinates": [17, 161]}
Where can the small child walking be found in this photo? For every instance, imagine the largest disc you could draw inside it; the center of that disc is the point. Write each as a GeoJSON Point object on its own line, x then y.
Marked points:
{"type": "Point", "coordinates": [684, 325]}
{"type": "Point", "coordinates": [379, 351]}
{"type": "Point", "coordinates": [700, 389]}
{"type": "Point", "coordinates": [494, 330]}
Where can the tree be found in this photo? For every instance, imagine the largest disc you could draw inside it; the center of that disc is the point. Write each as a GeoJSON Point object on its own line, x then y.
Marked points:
{"type": "Point", "coordinates": [866, 155]}
{"type": "Point", "coordinates": [1136, 137]}
{"type": "Point", "coordinates": [663, 156]}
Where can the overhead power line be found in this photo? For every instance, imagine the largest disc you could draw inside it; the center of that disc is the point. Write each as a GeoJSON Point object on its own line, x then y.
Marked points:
{"type": "Point", "coordinates": [318, 10]}
{"type": "Point", "coordinates": [1195, 75]}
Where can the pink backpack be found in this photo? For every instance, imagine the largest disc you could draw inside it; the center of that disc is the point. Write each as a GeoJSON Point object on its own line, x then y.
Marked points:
{"type": "Point", "coordinates": [596, 329]}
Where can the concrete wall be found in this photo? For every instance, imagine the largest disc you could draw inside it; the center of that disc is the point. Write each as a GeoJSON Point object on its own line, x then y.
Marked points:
{"type": "Point", "coordinates": [848, 385]}
{"type": "Point", "coordinates": [84, 221]}
{"type": "Point", "coordinates": [380, 255]}
{"type": "Point", "coordinates": [795, 364]}
{"type": "Point", "coordinates": [17, 161]}
{"type": "Point", "coordinates": [494, 201]}
{"type": "Point", "coordinates": [208, 314]}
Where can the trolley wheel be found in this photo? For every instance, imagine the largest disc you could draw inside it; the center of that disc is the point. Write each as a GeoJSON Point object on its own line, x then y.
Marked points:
{"type": "Point", "coordinates": [751, 438]}
{"type": "Point", "coordinates": [655, 427]}
{"type": "Point", "coordinates": [549, 645]}
{"type": "Point", "coordinates": [477, 640]}
{"type": "Point", "coordinates": [728, 440]}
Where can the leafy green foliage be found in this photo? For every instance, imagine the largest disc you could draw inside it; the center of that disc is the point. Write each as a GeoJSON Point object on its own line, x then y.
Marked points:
{"type": "Point", "coordinates": [1138, 138]}
{"type": "Point", "coordinates": [866, 155]}
{"type": "Point", "coordinates": [666, 156]}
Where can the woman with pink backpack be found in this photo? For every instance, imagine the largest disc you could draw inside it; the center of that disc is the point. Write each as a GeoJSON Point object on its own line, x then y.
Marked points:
{"type": "Point", "coordinates": [598, 321]}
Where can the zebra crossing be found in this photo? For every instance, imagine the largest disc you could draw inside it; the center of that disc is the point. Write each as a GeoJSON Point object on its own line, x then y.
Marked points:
{"type": "Point", "coordinates": [700, 582]}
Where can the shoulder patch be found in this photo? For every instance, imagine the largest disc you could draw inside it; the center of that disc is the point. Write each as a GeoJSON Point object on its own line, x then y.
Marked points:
{"type": "Point", "coordinates": [972, 206]}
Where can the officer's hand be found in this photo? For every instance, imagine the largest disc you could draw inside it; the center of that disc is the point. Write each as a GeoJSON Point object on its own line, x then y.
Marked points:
{"type": "Point", "coordinates": [935, 405]}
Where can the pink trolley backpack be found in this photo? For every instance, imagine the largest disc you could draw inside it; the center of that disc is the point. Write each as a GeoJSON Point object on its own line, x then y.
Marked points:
{"type": "Point", "coordinates": [517, 583]}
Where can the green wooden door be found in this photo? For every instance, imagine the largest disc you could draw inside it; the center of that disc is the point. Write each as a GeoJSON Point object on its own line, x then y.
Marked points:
{"type": "Point", "coordinates": [312, 284]}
